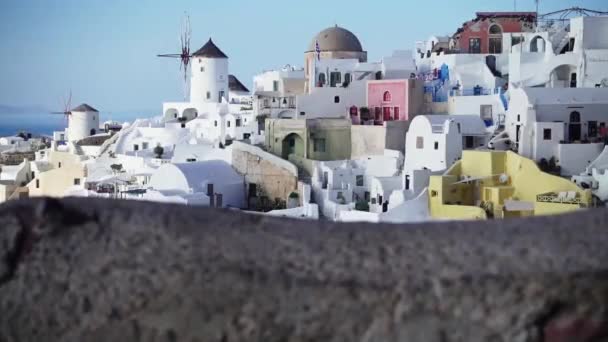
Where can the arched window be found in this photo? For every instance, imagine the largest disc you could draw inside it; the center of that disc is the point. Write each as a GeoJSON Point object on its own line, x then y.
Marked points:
{"type": "Point", "coordinates": [575, 117]}
{"type": "Point", "coordinates": [495, 40]}
{"type": "Point", "coordinates": [321, 79]}
{"type": "Point", "coordinates": [495, 29]}
{"type": "Point", "coordinates": [347, 79]}
{"type": "Point", "coordinates": [387, 96]}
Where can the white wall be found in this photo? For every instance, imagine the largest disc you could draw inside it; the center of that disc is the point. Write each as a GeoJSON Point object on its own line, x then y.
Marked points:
{"type": "Point", "coordinates": [449, 147]}
{"type": "Point", "coordinates": [81, 123]}
{"type": "Point", "coordinates": [321, 103]}
{"type": "Point", "coordinates": [574, 158]}
{"type": "Point", "coordinates": [209, 75]}
{"type": "Point", "coordinates": [547, 148]}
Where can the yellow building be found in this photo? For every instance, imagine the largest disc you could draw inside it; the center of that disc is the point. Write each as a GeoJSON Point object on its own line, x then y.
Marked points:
{"type": "Point", "coordinates": [492, 184]}
{"type": "Point", "coordinates": [67, 171]}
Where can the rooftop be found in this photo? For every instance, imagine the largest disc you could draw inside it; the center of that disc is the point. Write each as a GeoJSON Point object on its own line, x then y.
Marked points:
{"type": "Point", "coordinates": [335, 39]}
{"type": "Point", "coordinates": [210, 50]}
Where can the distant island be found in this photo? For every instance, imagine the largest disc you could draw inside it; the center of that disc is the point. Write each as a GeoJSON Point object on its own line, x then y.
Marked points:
{"type": "Point", "coordinates": [35, 109]}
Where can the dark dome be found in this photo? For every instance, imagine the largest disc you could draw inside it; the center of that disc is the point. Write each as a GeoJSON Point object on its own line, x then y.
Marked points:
{"type": "Point", "coordinates": [336, 39]}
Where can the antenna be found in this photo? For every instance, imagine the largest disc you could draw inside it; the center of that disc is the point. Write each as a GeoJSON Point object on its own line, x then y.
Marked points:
{"type": "Point", "coordinates": [184, 55]}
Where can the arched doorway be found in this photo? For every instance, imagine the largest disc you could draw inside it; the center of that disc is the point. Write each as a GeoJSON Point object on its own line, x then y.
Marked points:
{"type": "Point", "coordinates": [537, 44]}
{"type": "Point", "coordinates": [574, 127]}
{"type": "Point", "coordinates": [292, 144]}
{"type": "Point", "coordinates": [563, 76]}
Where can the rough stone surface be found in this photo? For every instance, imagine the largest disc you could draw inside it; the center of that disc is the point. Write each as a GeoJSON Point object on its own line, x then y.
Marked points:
{"type": "Point", "coordinates": [95, 270]}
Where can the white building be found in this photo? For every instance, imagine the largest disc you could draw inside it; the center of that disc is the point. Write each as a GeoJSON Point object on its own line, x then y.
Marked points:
{"type": "Point", "coordinates": [213, 183]}
{"type": "Point", "coordinates": [562, 127]}
{"type": "Point", "coordinates": [83, 121]}
{"type": "Point", "coordinates": [435, 142]}
{"type": "Point", "coordinates": [219, 116]}
{"type": "Point", "coordinates": [569, 55]}
{"type": "Point", "coordinates": [334, 79]}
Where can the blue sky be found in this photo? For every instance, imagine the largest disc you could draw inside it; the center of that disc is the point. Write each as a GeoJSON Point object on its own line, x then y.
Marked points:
{"type": "Point", "coordinates": [105, 50]}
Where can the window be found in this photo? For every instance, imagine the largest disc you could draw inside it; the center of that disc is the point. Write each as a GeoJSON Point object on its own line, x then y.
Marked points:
{"type": "Point", "coordinates": [335, 77]}
{"type": "Point", "coordinates": [495, 29]}
{"type": "Point", "coordinates": [469, 141]}
{"type": "Point", "coordinates": [485, 112]}
{"type": "Point", "coordinates": [547, 134]}
{"type": "Point", "coordinates": [475, 45]}
{"type": "Point", "coordinates": [379, 73]}
{"type": "Point", "coordinates": [436, 145]}
{"type": "Point", "coordinates": [253, 190]}
{"type": "Point", "coordinates": [378, 113]}
{"type": "Point", "coordinates": [336, 99]}
{"type": "Point", "coordinates": [347, 79]}
{"type": "Point", "coordinates": [360, 180]}
{"type": "Point", "coordinates": [387, 96]}
{"type": "Point", "coordinates": [190, 160]}
{"type": "Point", "coordinates": [221, 95]}
{"type": "Point", "coordinates": [592, 129]}
{"type": "Point", "coordinates": [367, 196]}
{"type": "Point", "coordinates": [215, 123]}
{"type": "Point", "coordinates": [183, 125]}
{"type": "Point", "coordinates": [458, 125]}
{"type": "Point", "coordinates": [208, 95]}
{"type": "Point", "coordinates": [202, 69]}
{"type": "Point", "coordinates": [144, 145]}
{"type": "Point", "coordinates": [292, 142]}
{"type": "Point", "coordinates": [518, 118]}
{"type": "Point", "coordinates": [302, 113]}
{"type": "Point", "coordinates": [33, 174]}
{"type": "Point", "coordinates": [321, 79]}
{"type": "Point", "coordinates": [37, 183]}
{"type": "Point", "coordinates": [275, 85]}
{"type": "Point", "coordinates": [175, 116]}
{"type": "Point", "coordinates": [419, 142]}
{"type": "Point", "coordinates": [319, 145]}
{"type": "Point", "coordinates": [76, 181]}
{"type": "Point", "coordinates": [237, 123]}
{"type": "Point", "coordinates": [135, 147]}
{"type": "Point", "coordinates": [59, 165]}
{"type": "Point", "coordinates": [228, 123]}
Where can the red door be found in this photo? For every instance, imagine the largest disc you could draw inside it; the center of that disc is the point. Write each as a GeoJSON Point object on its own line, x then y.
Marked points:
{"type": "Point", "coordinates": [387, 113]}
{"type": "Point", "coordinates": [396, 113]}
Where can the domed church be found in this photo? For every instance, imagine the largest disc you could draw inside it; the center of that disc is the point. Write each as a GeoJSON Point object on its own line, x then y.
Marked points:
{"type": "Point", "coordinates": [334, 43]}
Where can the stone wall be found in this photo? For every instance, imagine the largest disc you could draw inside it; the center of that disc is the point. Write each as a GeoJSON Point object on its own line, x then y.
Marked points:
{"type": "Point", "coordinates": [100, 270]}
{"type": "Point", "coordinates": [16, 158]}
{"type": "Point", "coordinates": [274, 179]}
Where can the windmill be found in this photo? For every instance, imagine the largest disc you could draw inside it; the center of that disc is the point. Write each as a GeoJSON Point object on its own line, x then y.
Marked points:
{"type": "Point", "coordinates": [184, 56]}
{"type": "Point", "coordinates": [67, 105]}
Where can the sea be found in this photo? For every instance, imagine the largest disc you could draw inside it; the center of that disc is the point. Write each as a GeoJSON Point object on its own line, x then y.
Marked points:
{"type": "Point", "coordinates": [46, 124]}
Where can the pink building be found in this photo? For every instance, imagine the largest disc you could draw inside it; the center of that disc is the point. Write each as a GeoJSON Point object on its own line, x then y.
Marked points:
{"type": "Point", "coordinates": [390, 100]}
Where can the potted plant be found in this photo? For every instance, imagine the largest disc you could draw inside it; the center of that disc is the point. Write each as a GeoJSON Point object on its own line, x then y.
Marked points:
{"type": "Point", "coordinates": [293, 200]}
{"type": "Point", "coordinates": [159, 151]}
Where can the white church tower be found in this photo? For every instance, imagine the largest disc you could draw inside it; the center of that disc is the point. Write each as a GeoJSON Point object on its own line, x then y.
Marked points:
{"type": "Point", "coordinates": [209, 80]}
{"type": "Point", "coordinates": [83, 122]}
